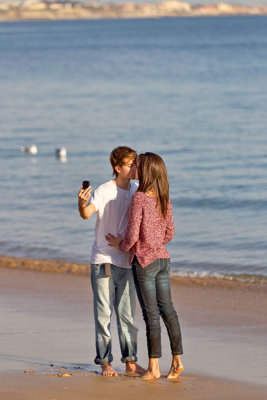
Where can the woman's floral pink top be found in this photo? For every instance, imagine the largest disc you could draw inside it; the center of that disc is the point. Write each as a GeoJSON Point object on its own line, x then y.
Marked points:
{"type": "Point", "coordinates": [147, 231]}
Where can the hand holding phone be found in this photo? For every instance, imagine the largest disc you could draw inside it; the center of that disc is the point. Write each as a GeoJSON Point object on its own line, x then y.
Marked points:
{"type": "Point", "coordinates": [86, 184]}
{"type": "Point", "coordinates": [84, 194]}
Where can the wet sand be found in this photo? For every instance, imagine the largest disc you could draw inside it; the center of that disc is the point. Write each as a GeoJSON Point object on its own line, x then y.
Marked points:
{"type": "Point", "coordinates": [32, 387]}
{"type": "Point", "coordinates": [47, 338]}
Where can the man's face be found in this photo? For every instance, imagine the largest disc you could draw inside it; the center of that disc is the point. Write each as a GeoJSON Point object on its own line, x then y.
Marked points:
{"type": "Point", "coordinates": [128, 169]}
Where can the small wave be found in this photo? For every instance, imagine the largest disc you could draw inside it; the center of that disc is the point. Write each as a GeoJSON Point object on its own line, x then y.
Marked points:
{"type": "Point", "coordinates": [44, 265]}
{"type": "Point", "coordinates": [176, 151]}
{"type": "Point", "coordinates": [19, 250]}
{"type": "Point", "coordinates": [219, 203]}
{"type": "Point", "coordinates": [247, 278]}
{"type": "Point", "coordinates": [71, 267]}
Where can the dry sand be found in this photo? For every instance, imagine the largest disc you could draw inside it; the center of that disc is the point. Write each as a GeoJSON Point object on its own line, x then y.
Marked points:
{"type": "Point", "coordinates": [47, 339]}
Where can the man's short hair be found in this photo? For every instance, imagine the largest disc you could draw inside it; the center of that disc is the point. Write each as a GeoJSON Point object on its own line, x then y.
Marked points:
{"type": "Point", "coordinates": [118, 155]}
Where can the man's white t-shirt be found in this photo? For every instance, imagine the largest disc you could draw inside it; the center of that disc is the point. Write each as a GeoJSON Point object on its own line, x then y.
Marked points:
{"type": "Point", "coordinates": [112, 204]}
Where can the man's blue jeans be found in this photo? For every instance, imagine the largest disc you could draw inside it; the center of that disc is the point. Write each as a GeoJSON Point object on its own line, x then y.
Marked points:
{"type": "Point", "coordinates": [116, 291]}
{"type": "Point", "coordinates": [154, 294]}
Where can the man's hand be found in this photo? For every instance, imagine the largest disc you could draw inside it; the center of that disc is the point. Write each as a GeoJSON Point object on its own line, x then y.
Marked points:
{"type": "Point", "coordinates": [114, 241]}
{"type": "Point", "coordinates": [83, 197]}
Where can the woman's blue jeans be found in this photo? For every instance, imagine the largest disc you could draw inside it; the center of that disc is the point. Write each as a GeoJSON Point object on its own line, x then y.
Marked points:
{"type": "Point", "coordinates": [154, 293]}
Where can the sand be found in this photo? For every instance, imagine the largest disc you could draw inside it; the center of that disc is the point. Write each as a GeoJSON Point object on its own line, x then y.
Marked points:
{"type": "Point", "coordinates": [47, 338]}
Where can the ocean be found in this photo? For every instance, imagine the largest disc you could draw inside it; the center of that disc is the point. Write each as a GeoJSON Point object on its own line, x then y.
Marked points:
{"type": "Point", "coordinates": [193, 90]}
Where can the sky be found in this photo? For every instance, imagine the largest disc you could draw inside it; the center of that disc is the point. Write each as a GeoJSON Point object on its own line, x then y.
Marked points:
{"type": "Point", "coordinates": [192, 2]}
{"type": "Point", "coordinates": [241, 2]}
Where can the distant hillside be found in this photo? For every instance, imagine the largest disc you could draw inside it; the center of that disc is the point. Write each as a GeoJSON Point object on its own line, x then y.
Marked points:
{"type": "Point", "coordinates": [55, 10]}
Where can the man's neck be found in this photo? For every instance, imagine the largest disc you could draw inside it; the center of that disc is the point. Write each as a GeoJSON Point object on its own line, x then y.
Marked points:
{"type": "Point", "coordinates": [123, 183]}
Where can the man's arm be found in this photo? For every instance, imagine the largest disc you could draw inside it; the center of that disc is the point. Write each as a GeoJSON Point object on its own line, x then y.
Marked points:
{"type": "Point", "coordinates": [85, 210]}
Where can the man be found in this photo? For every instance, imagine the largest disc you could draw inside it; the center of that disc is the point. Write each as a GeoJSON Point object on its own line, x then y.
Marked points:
{"type": "Point", "coordinates": [111, 274]}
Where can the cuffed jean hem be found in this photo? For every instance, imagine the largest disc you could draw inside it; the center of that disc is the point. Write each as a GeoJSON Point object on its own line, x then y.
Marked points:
{"type": "Point", "coordinates": [104, 361]}
{"type": "Point", "coordinates": [155, 356]}
{"type": "Point", "coordinates": [176, 353]}
{"type": "Point", "coordinates": [126, 359]}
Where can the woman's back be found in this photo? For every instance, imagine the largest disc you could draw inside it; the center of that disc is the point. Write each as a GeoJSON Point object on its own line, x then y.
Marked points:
{"type": "Point", "coordinates": [147, 231]}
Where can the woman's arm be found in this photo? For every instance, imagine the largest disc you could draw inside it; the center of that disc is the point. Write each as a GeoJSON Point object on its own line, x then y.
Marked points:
{"type": "Point", "coordinates": [133, 227]}
{"type": "Point", "coordinates": [132, 231]}
{"type": "Point", "coordinates": [170, 231]}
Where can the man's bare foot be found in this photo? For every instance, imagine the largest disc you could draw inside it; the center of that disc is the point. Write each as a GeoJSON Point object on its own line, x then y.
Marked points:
{"type": "Point", "coordinates": [150, 375]}
{"type": "Point", "coordinates": [133, 368]}
{"type": "Point", "coordinates": [107, 370]}
{"type": "Point", "coordinates": [176, 370]}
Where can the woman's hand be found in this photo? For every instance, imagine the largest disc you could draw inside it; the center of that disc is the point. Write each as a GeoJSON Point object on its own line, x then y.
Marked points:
{"type": "Point", "coordinates": [114, 241]}
{"type": "Point", "coordinates": [83, 196]}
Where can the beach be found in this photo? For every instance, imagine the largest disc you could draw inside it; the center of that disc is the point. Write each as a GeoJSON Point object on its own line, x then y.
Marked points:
{"type": "Point", "coordinates": [47, 338]}
{"type": "Point", "coordinates": [191, 89]}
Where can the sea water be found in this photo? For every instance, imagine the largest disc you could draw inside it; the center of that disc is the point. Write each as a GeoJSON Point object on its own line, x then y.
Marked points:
{"type": "Point", "coordinates": [193, 90]}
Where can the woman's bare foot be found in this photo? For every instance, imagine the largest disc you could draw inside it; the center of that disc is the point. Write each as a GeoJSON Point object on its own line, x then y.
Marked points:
{"type": "Point", "coordinates": [176, 368]}
{"type": "Point", "coordinates": [107, 370]}
{"type": "Point", "coordinates": [133, 368]}
{"type": "Point", "coordinates": [152, 371]}
{"type": "Point", "coordinates": [150, 375]}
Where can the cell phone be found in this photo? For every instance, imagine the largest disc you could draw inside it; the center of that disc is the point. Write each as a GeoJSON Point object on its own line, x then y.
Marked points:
{"type": "Point", "coordinates": [86, 184]}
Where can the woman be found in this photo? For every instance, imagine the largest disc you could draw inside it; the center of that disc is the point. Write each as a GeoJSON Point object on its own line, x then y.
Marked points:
{"type": "Point", "coordinates": [150, 227]}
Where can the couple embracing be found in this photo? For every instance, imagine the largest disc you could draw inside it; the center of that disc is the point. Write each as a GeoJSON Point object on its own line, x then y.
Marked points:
{"type": "Point", "coordinates": [134, 222]}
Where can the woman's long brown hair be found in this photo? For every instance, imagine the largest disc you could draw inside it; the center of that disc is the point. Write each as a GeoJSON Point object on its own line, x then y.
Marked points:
{"type": "Point", "coordinates": [152, 175]}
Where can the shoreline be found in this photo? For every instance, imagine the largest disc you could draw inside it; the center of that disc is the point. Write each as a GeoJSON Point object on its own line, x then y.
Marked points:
{"type": "Point", "coordinates": [86, 387]}
{"type": "Point", "coordinates": [31, 387]}
{"type": "Point", "coordinates": [67, 267]}
{"type": "Point", "coordinates": [34, 10]}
